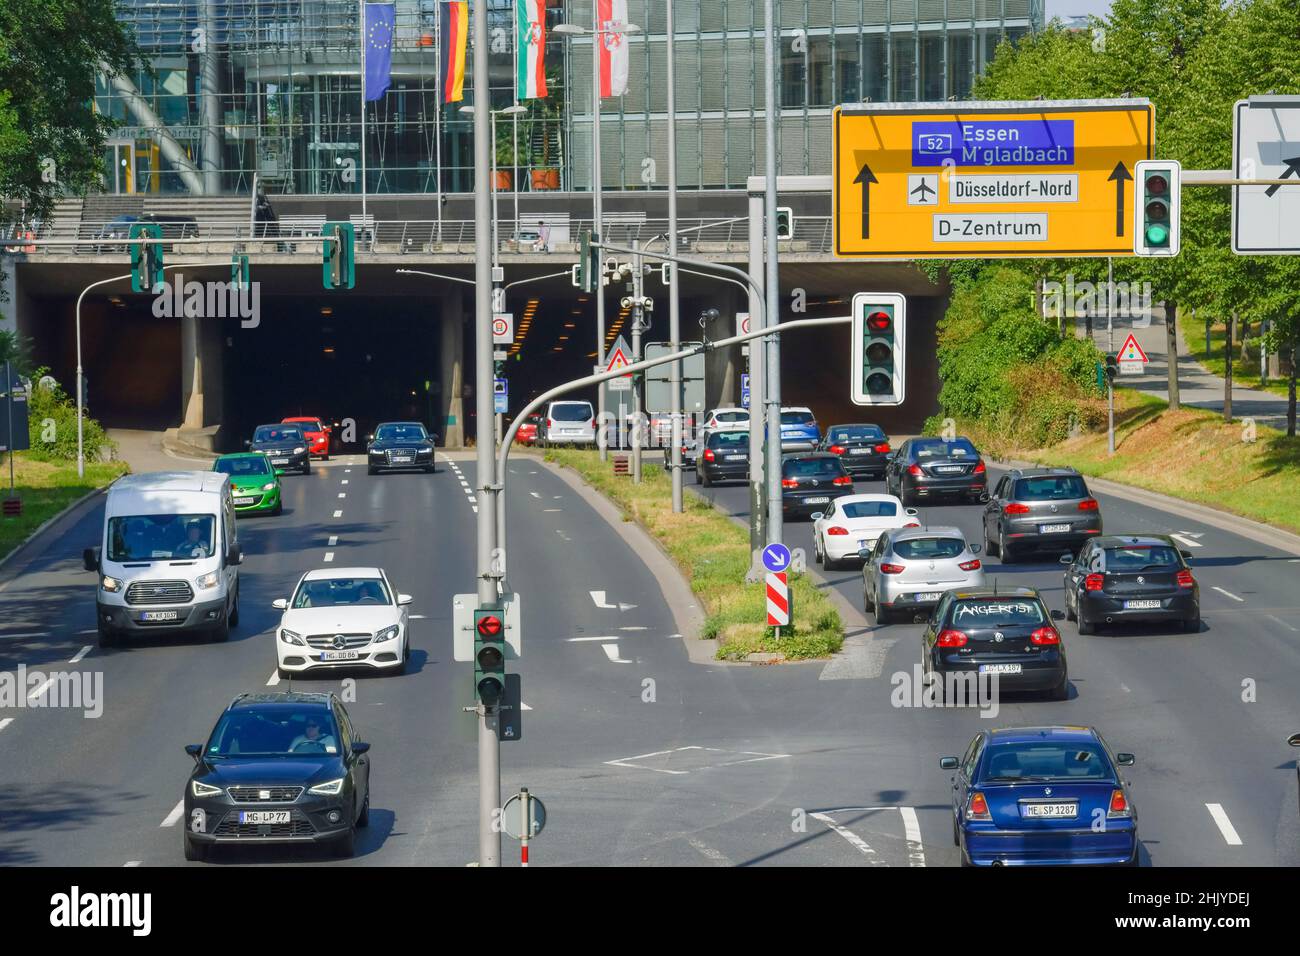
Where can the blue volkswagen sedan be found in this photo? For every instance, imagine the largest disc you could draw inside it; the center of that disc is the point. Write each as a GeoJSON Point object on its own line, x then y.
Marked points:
{"type": "Point", "coordinates": [1042, 796]}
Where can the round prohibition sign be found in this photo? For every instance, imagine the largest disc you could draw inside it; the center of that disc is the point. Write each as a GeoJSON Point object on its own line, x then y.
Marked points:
{"type": "Point", "coordinates": [500, 326]}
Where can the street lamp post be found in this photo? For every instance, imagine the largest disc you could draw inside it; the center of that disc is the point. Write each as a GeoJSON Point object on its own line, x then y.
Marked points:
{"type": "Point", "coordinates": [775, 518]}
{"type": "Point", "coordinates": [674, 302]}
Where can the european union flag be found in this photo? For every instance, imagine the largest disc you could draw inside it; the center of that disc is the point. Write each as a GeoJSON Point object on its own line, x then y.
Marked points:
{"type": "Point", "coordinates": [378, 38]}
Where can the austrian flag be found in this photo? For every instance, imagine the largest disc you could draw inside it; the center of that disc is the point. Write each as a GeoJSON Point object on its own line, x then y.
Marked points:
{"type": "Point", "coordinates": [530, 60]}
{"type": "Point", "coordinates": [613, 47]}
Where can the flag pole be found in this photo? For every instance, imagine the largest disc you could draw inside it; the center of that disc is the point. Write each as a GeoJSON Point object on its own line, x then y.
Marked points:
{"type": "Point", "coordinates": [437, 112]}
{"type": "Point", "coordinates": [361, 9]}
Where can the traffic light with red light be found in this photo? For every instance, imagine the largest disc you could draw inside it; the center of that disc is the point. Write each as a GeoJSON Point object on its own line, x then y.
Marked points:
{"type": "Point", "coordinates": [489, 655]}
{"type": "Point", "coordinates": [1157, 203]}
{"type": "Point", "coordinates": [879, 341]}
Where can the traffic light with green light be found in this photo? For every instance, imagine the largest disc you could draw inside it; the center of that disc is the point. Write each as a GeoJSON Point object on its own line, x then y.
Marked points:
{"type": "Point", "coordinates": [338, 259]}
{"type": "Point", "coordinates": [1157, 207]}
{"type": "Point", "coordinates": [489, 655]}
{"type": "Point", "coordinates": [784, 223]}
{"type": "Point", "coordinates": [146, 258]}
{"type": "Point", "coordinates": [240, 272]}
{"type": "Point", "coordinates": [879, 348]}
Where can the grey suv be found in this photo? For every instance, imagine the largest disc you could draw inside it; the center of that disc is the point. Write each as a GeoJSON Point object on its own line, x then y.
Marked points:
{"type": "Point", "coordinates": [1032, 509]}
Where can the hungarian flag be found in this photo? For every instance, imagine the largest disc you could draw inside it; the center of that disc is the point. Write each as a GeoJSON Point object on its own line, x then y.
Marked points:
{"type": "Point", "coordinates": [453, 20]}
{"type": "Point", "coordinates": [530, 60]}
{"type": "Point", "coordinates": [613, 47]}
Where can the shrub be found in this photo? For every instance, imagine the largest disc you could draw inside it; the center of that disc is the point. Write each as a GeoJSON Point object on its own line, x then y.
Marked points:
{"type": "Point", "coordinates": [52, 426]}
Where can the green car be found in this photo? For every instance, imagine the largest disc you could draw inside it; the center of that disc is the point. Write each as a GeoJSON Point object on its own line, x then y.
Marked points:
{"type": "Point", "coordinates": [253, 482]}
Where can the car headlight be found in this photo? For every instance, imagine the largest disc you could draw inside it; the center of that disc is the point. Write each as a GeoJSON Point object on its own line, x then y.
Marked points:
{"type": "Point", "coordinates": [425, 451]}
{"type": "Point", "coordinates": [203, 789]}
{"type": "Point", "coordinates": [269, 486]}
{"type": "Point", "coordinates": [208, 580]}
{"type": "Point", "coordinates": [110, 584]}
{"type": "Point", "coordinates": [289, 637]}
{"type": "Point", "coordinates": [299, 450]}
{"type": "Point", "coordinates": [329, 788]}
{"type": "Point", "coordinates": [387, 634]}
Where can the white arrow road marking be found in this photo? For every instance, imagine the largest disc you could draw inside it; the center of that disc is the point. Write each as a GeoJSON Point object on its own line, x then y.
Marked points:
{"type": "Point", "coordinates": [86, 650]}
{"type": "Point", "coordinates": [1187, 538]}
{"type": "Point", "coordinates": [523, 706]}
{"type": "Point", "coordinates": [171, 819]}
{"type": "Point", "coordinates": [854, 840]}
{"type": "Point", "coordinates": [1225, 825]}
{"type": "Point", "coordinates": [611, 651]}
{"type": "Point", "coordinates": [338, 514]}
{"type": "Point", "coordinates": [599, 598]}
{"type": "Point", "coordinates": [534, 494]}
{"type": "Point", "coordinates": [6, 722]}
{"type": "Point", "coordinates": [274, 678]}
{"type": "Point", "coordinates": [1228, 593]}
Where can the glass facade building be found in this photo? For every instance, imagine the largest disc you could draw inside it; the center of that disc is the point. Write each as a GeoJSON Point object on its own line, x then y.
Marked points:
{"type": "Point", "coordinates": [270, 89]}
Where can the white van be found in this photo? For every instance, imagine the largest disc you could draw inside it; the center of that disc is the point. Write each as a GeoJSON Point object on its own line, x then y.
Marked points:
{"type": "Point", "coordinates": [570, 422]}
{"type": "Point", "coordinates": [168, 561]}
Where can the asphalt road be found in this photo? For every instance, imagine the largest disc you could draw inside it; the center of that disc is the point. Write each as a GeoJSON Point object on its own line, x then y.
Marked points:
{"type": "Point", "coordinates": [641, 756]}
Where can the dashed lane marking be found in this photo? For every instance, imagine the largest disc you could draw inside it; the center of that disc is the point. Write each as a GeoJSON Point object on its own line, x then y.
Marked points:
{"type": "Point", "coordinates": [132, 863]}
{"type": "Point", "coordinates": [334, 539]}
{"type": "Point", "coordinates": [343, 494]}
{"type": "Point", "coordinates": [1188, 538]}
{"type": "Point", "coordinates": [329, 556]}
{"type": "Point", "coordinates": [1283, 623]}
{"type": "Point", "coordinates": [338, 514]}
{"type": "Point", "coordinates": [80, 654]}
{"type": "Point", "coordinates": [1225, 825]}
{"type": "Point", "coordinates": [343, 482]}
{"type": "Point", "coordinates": [854, 840]}
{"type": "Point", "coordinates": [1228, 593]}
{"type": "Point", "coordinates": [41, 689]}
{"type": "Point", "coordinates": [5, 722]}
{"type": "Point", "coordinates": [172, 818]}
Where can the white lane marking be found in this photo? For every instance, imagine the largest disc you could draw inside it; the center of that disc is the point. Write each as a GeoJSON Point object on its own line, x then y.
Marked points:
{"type": "Point", "coordinates": [912, 833]}
{"type": "Point", "coordinates": [334, 539]}
{"type": "Point", "coordinates": [524, 706]}
{"type": "Point", "coordinates": [86, 650]}
{"type": "Point", "coordinates": [634, 628]}
{"type": "Point", "coordinates": [599, 598]}
{"type": "Point", "coordinates": [1225, 825]}
{"type": "Point", "coordinates": [474, 501]}
{"type": "Point", "coordinates": [626, 761]}
{"type": "Point", "coordinates": [581, 640]}
{"type": "Point", "coordinates": [347, 471]}
{"type": "Point", "coordinates": [274, 678]}
{"type": "Point", "coordinates": [709, 852]}
{"type": "Point", "coordinates": [417, 617]}
{"type": "Point", "coordinates": [338, 514]}
{"type": "Point", "coordinates": [40, 690]}
{"type": "Point", "coordinates": [171, 819]}
{"type": "Point", "coordinates": [1125, 688]}
{"type": "Point", "coordinates": [547, 511]}
{"type": "Point", "coordinates": [854, 840]}
{"type": "Point", "coordinates": [343, 494]}
{"type": "Point", "coordinates": [611, 651]}
{"type": "Point", "coordinates": [1282, 622]}
{"type": "Point", "coordinates": [28, 634]}
{"type": "Point", "coordinates": [329, 556]}
{"type": "Point", "coordinates": [534, 494]}
{"type": "Point", "coordinates": [1228, 593]}
{"type": "Point", "coordinates": [344, 481]}
{"type": "Point", "coordinates": [89, 630]}
{"type": "Point", "coordinates": [132, 863]}
{"type": "Point", "coordinates": [1188, 538]}
{"type": "Point", "coordinates": [474, 509]}
{"type": "Point", "coordinates": [6, 722]}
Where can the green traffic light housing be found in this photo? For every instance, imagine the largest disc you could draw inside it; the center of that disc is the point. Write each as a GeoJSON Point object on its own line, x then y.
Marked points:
{"type": "Point", "coordinates": [1156, 208]}
{"type": "Point", "coordinates": [146, 258]}
{"type": "Point", "coordinates": [338, 257]}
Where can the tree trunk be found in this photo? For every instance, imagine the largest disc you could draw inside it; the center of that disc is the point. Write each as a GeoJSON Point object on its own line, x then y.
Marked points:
{"type": "Point", "coordinates": [1229, 334]}
{"type": "Point", "coordinates": [1290, 397]}
{"type": "Point", "coordinates": [1171, 352]}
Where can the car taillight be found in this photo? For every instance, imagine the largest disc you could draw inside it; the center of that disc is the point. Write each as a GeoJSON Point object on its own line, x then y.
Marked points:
{"type": "Point", "coordinates": [979, 467]}
{"type": "Point", "coordinates": [837, 449]}
{"type": "Point", "coordinates": [1094, 582]}
{"type": "Point", "coordinates": [1045, 635]}
{"type": "Point", "coordinates": [892, 569]}
{"type": "Point", "coordinates": [977, 808]}
{"type": "Point", "coordinates": [970, 565]}
{"type": "Point", "coordinates": [549, 423]}
{"type": "Point", "coordinates": [1015, 508]}
{"type": "Point", "coordinates": [708, 454]}
{"type": "Point", "coordinates": [1185, 579]}
{"type": "Point", "coordinates": [914, 470]}
{"type": "Point", "coordinates": [1119, 805]}
{"type": "Point", "coordinates": [1088, 504]}
{"type": "Point", "coordinates": [789, 483]}
{"type": "Point", "coordinates": [837, 530]}
{"type": "Point", "coordinates": [882, 449]}
{"type": "Point", "coordinates": [911, 524]}
{"type": "Point", "coordinates": [842, 480]}
{"type": "Point", "coordinates": [950, 638]}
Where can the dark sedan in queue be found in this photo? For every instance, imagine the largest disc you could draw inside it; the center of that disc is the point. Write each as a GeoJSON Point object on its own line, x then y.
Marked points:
{"type": "Point", "coordinates": [1131, 579]}
{"type": "Point", "coordinates": [285, 445]}
{"type": "Point", "coordinates": [398, 445]}
{"type": "Point", "coordinates": [278, 768]}
{"type": "Point", "coordinates": [1047, 796]}
{"type": "Point", "coordinates": [725, 458]}
{"type": "Point", "coordinates": [925, 469]}
{"type": "Point", "coordinates": [864, 449]}
{"type": "Point", "coordinates": [810, 482]}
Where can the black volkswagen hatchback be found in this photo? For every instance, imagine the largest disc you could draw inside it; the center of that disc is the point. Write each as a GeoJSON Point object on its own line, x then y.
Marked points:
{"type": "Point", "coordinates": [278, 768]}
{"type": "Point", "coordinates": [400, 445]}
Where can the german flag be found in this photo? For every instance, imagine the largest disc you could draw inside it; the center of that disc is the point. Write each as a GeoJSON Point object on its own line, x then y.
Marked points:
{"type": "Point", "coordinates": [454, 26]}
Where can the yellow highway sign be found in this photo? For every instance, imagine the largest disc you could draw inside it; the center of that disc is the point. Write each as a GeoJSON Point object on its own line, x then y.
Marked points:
{"type": "Point", "coordinates": [988, 179]}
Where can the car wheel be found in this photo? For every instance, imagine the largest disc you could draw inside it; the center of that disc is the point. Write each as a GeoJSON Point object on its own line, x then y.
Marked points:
{"type": "Point", "coordinates": [883, 616]}
{"type": "Point", "coordinates": [346, 845]}
{"type": "Point", "coordinates": [1070, 614]}
{"type": "Point", "coordinates": [1085, 626]}
{"type": "Point", "coordinates": [956, 834]}
{"type": "Point", "coordinates": [221, 632]}
{"type": "Point", "coordinates": [194, 852]}
{"type": "Point", "coordinates": [1062, 690]}
{"type": "Point", "coordinates": [364, 819]}
{"type": "Point", "coordinates": [1193, 626]}
{"type": "Point", "coordinates": [990, 546]}
{"type": "Point", "coordinates": [278, 509]}
{"type": "Point", "coordinates": [1005, 551]}
{"type": "Point", "coordinates": [107, 637]}
{"type": "Point", "coordinates": [234, 611]}
{"type": "Point", "coordinates": [306, 468]}
{"type": "Point", "coordinates": [371, 470]}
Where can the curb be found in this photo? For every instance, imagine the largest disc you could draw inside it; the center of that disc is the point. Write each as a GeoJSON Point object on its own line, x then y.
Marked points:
{"type": "Point", "coordinates": [45, 525]}
{"type": "Point", "coordinates": [1215, 517]}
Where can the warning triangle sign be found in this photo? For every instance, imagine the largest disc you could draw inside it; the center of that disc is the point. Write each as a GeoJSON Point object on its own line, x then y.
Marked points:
{"type": "Point", "coordinates": [1130, 351]}
{"type": "Point", "coordinates": [619, 355]}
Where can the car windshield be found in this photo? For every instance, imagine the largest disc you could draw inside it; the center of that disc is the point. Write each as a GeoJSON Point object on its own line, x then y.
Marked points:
{"type": "Point", "coordinates": [869, 509]}
{"type": "Point", "coordinates": [943, 448]}
{"type": "Point", "coordinates": [341, 592]}
{"type": "Point", "coordinates": [1047, 760]}
{"type": "Point", "coordinates": [732, 441]}
{"type": "Point", "coordinates": [1050, 488]}
{"type": "Point", "coordinates": [312, 426]}
{"type": "Point", "coordinates": [797, 418]}
{"type": "Point", "coordinates": [401, 433]}
{"type": "Point", "coordinates": [812, 468]}
{"type": "Point", "coordinates": [931, 549]}
{"type": "Point", "coordinates": [160, 537]}
{"type": "Point", "coordinates": [840, 433]}
{"type": "Point", "coordinates": [1140, 558]}
{"type": "Point", "coordinates": [732, 416]}
{"type": "Point", "coordinates": [273, 732]}
{"type": "Point", "coordinates": [281, 433]}
{"type": "Point", "coordinates": [252, 465]}
{"type": "Point", "coordinates": [571, 412]}
{"type": "Point", "coordinates": [997, 612]}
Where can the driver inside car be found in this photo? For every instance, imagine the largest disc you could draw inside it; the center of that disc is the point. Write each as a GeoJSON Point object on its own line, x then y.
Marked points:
{"type": "Point", "coordinates": [195, 544]}
{"type": "Point", "coordinates": [312, 735]}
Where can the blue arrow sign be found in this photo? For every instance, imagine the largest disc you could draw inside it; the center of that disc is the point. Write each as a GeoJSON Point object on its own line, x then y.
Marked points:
{"type": "Point", "coordinates": [776, 558]}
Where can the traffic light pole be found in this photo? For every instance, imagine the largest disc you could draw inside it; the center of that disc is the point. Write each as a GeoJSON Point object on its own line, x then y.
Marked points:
{"type": "Point", "coordinates": [638, 317]}
{"type": "Point", "coordinates": [772, 398]}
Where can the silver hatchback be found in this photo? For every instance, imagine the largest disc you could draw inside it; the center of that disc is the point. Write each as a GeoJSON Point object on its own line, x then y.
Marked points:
{"type": "Point", "coordinates": [910, 569]}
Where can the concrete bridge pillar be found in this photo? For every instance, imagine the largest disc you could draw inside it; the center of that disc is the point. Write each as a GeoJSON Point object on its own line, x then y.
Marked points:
{"type": "Point", "coordinates": [723, 366]}
{"type": "Point", "coordinates": [201, 377]}
{"type": "Point", "coordinates": [451, 380]}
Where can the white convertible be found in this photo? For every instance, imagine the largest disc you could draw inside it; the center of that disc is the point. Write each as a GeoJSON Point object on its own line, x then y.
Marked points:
{"type": "Point", "coordinates": [343, 617]}
{"type": "Point", "coordinates": [853, 522]}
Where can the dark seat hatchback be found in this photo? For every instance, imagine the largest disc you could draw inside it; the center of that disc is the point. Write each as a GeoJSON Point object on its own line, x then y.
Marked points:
{"type": "Point", "coordinates": [278, 768]}
{"type": "Point", "coordinates": [864, 449]}
{"type": "Point", "coordinates": [810, 482]}
{"type": "Point", "coordinates": [725, 458]}
{"type": "Point", "coordinates": [930, 468]}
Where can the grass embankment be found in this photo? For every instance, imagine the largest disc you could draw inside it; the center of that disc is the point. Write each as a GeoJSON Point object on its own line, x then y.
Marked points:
{"type": "Point", "coordinates": [1190, 454]}
{"type": "Point", "coordinates": [1245, 371]}
{"type": "Point", "coordinates": [712, 551]}
{"type": "Point", "coordinates": [46, 488]}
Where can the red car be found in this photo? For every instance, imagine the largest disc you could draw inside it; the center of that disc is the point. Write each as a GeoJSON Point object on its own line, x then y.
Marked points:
{"type": "Point", "coordinates": [527, 434]}
{"type": "Point", "coordinates": [318, 435]}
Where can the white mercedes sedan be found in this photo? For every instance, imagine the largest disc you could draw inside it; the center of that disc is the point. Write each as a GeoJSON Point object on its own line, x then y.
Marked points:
{"type": "Point", "coordinates": [343, 617]}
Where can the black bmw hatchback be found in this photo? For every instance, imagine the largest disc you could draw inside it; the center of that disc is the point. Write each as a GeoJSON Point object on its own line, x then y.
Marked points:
{"type": "Point", "coordinates": [278, 768]}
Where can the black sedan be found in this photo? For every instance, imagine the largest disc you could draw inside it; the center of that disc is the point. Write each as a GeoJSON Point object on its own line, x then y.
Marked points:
{"type": "Point", "coordinates": [285, 445]}
{"type": "Point", "coordinates": [1140, 579]}
{"type": "Point", "coordinates": [278, 768]}
{"type": "Point", "coordinates": [725, 458]}
{"type": "Point", "coordinates": [925, 469]}
{"type": "Point", "coordinates": [1003, 635]}
{"type": "Point", "coordinates": [396, 445]}
{"type": "Point", "coordinates": [810, 482]}
{"type": "Point", "coordinates": [864, 449]}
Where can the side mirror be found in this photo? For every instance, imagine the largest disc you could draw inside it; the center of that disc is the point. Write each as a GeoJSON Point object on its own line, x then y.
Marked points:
{"type": "Point", "coordinates": [194, 750]}
{"type": "Point", "coordinates": [911, 512]}
{"type": "Point", "coordinates": [404, 599]}
{"type": "Point", "coordinates": [280, 604]}
{"type": "Point", "coordinates": [947, 763]}
{"type": "Point", "coordinates": [370, 438]}
{"type": "Point", "coordinates": [234, 555]}
{"type": "Point", "coordinates": [1294, 740]}
{"type": "Point", "coordinates": [1057, 615]}
{"type": "Point", "coordinates": [818, 515]}
{"type": "Point", "coordinates": [865, 554]}
{"type": "Point", "coordinates": [1186, 554]}
{"type": "Point", "coordinates": [279, 472]}
{"type": "Point", "coordinates": [985, 499]}
{"type": "Point", "coordinates": [1125, 760]}
{"type": "Point", "coordinates": [1067, 558]}
{"type": "Point", "coordinates": [975, 548]}
{"type": "Point", "coordinates": [248, 444]}
{"type": "Point", "coordinates": [360, 747]}
{"type": "Point", "coordinates": [90, 559]}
